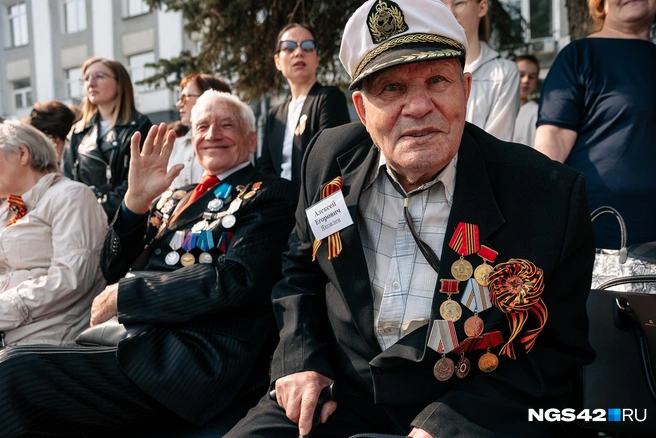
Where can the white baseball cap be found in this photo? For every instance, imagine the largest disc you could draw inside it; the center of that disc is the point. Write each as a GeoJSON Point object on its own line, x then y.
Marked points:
{"type": "Point", "coordinates": [383, 33]}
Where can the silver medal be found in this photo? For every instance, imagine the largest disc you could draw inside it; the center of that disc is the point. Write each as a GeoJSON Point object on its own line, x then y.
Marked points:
{"type": "Point", "coordinates": [215, 204]}
{"type": "Point", "coordinates": [205, 257]}
{"type": "Point", "coordinates": [199, 226]}
{"type": "Point", "coordinates": [172, 258]}
{"type": "Point", "coordinates": [228, 221]}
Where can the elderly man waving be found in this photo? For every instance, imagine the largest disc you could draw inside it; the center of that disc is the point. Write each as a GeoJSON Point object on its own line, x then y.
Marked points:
{"type": "Point", "coordinates": [439, 275]}
{"type": "Point", "coordinates": [200, 289]}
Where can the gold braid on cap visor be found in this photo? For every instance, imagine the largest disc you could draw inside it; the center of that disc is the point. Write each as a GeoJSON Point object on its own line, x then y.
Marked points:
{"type": "Point", "coordinates": [408, 39]}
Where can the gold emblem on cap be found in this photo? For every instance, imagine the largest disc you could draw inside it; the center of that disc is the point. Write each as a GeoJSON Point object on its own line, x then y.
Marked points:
{"type": "Point", "coordinates": [385, 20]}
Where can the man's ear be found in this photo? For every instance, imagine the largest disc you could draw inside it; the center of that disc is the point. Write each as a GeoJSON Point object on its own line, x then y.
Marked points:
{"type": "Point", "coordinates": [467, 81]}
{"type": "Point", "coordinates": [24, 154]}
{"type": "Point", "coordinates": [360, 108]}
{"type": "Point", "coordinates": [252, 140]}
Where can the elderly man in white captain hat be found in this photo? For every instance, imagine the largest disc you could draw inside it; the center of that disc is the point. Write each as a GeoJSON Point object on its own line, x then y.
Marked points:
{"type": "Point", "coordinates": [436, 279]}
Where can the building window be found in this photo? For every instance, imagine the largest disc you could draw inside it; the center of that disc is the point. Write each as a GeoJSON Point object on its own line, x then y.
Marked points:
{"type": "Point", "coordinates": [540, 19]}
{"type": "Point", "coordinates": [132, 8]}
{"type": "Point", "coordinates": [74, 88]}
{"type": "Point", "coordinates": [75, 15]}
{"type": "Point", "coordinates": [23, 93]}
{"type": "Point", "coordinates": [139, 71]}
{"type": "Point", "coordinates": [18, 35]}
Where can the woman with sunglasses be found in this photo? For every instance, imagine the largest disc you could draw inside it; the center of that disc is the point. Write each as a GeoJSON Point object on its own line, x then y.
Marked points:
{"type": "Point", "coordinates": [98, 154]}
{"type": "Point", "coordinates": [494, 98]}
{"type": "Point", "coordinates": [310, 108]}
{"type": "Point", "coordinates": [191, 86]}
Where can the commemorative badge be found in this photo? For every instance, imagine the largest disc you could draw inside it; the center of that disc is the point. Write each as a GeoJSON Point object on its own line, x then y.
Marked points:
{"type": "Point", "coordinates": [482, 272]}
{"type": "Point", "coordinates": [465, 241]}
{"type": "Point", "coordinates": [205, 257]}
{"type": "Point", "coordinates": [254, 189]}
{"type": "Point", "coordinates": [450, 310]}
{"type": "Point", "coordinates": [443, 369]}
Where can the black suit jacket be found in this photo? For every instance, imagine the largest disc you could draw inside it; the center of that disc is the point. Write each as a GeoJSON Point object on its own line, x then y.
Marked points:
{"type": "Point", "coordinates": [210, 323]}
{"type": "Point", "coordinates": [325, 107]}
{"type": "Point", "coordinates": [526, 206]}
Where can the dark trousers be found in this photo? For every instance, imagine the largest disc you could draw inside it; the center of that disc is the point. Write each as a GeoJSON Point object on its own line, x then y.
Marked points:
{"type": "Point", "coordinates": [354, 414]}
{"type": "Point", "coordinates": [77, 391]}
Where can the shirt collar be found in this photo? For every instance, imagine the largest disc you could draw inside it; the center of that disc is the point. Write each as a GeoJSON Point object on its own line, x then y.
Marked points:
{"type": "Point", "coordinates": [227, 173]}
{"type": "Point", "coordinates": [447, 177]}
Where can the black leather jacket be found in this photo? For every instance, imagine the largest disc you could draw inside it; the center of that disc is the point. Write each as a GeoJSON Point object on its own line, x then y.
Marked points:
{"type": "Point", "coordinates": [103, 164]}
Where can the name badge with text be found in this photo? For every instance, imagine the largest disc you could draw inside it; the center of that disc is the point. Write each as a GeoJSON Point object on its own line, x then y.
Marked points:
{"type": "Point", "coordinates": [328, 216]}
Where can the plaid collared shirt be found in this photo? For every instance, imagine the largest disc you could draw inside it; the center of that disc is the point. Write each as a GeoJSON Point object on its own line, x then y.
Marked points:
{"type": "Point", "coordinates": [402, 281]}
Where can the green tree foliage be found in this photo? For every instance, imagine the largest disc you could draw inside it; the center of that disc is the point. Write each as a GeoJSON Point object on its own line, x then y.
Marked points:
{"type": "Point", "coordinates": [238, 39]}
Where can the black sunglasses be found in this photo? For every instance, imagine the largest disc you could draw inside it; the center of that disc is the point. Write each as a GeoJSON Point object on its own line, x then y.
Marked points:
{"type": "Point", "coordinates": [290, 46]}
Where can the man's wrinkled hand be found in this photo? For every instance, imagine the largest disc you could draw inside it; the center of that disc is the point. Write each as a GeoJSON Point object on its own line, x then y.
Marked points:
{"type": "Point", "coordinates": [298, 394]}
{"type": "Point", "coordinates": [105, 305]}
{"type": "Point", "coordinates": [419, 433]}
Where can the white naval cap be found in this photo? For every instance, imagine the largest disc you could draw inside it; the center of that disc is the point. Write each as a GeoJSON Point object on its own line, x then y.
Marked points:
{"type": "Point", "coordinates": [383, 33]}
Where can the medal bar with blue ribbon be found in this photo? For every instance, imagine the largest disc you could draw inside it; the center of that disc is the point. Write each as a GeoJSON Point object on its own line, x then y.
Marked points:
{"type": "Point", "coordinates": [205, 240]}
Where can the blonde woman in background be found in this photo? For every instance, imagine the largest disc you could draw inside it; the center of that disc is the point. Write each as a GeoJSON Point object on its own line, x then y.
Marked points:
{"type": "Point", "coordinates": [98, 154]}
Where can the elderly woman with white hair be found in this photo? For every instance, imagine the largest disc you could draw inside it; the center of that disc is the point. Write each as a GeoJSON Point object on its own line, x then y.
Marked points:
{"type": "Point", "coordinates": [51, 234]}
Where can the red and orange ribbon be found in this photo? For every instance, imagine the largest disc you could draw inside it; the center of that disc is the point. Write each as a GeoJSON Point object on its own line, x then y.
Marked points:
{"type": "Point", "coordinates": [334, 240]}
{"type": "Point", "coordinates": [19, 208]}
{"type": "Point", "coordinates": [483, 342]}
{"type": "Point", "coordinates": [515, 289]}
{"type": "Point", "coordinates": [465, 240]}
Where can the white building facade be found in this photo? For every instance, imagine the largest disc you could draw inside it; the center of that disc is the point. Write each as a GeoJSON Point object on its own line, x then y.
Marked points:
{"type": "Point", "coordinates": [43, 44]}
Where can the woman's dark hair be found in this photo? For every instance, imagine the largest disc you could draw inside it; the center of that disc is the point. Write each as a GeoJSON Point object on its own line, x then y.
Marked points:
{"type": "Point", "coordinates": [206, 82]}
{"type": "Point", "coordinates": [52, 118]}
{"type": "Point", "coordinates": [291, 26]}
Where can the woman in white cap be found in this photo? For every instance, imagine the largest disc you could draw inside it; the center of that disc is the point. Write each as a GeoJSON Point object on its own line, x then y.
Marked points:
{"type": "Point", "coordinates": [494, 100]}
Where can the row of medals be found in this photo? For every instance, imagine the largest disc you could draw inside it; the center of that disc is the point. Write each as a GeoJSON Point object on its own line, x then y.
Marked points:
{"type": "Point", "coordinates": [450, 310]}
{"type": "Point", "coordinates": [226, 218]}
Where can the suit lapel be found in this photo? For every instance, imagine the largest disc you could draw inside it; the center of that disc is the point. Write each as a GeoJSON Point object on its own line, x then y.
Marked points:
{"type": "Point", "coordinates": [350, 267]}
{"type": "Point", "coordinates": [278, 136]}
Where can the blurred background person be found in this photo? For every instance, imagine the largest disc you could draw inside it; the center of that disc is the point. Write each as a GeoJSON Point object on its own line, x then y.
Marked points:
{"type": "Point", "coordinates": [599, 116]}
{"type": "Point", "coordinates": [179, 129]}
{"type": "Point", "coordinates": [54, 119]}
{"type": "Point", "coordinates": [51, 233]}
{"type": "Point", "coordinates": [310, 108]}
{"type": "Point", "coordinates": [76, 111]}
{"type": "Point", "coordinates": [494, 99]}
{"type": "Point", "coordinates": [98, 153]}
{"type": "Point", "coordinates": [191, 86]}
{"type": "Point", "coordinates": [529, 69]}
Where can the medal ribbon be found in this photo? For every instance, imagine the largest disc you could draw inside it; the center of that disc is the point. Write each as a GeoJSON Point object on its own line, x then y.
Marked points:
{"type": "Point", "coordinates": [19, 208]}
{"type": "Point", "coordinates": [334, 240]}
{"type": "Point", "coordinates": [449, 286]}
{"type": "Point", "coordinates": [224, 241]}
{"type": "Point", "coordinates": [476, 297]}
{"type": "Point", "coordinates": [515, 289]}
{"type": "Point", "coordinates": [205, 240]}
{"type": "Point", "coordinates": [443, 337]}
{"type": "Point", "coordinates": [487, 253]}
{"type": "Point", "coordinates": [189, 241]}
{"type": "Point", "coordinates": [465, 240]}
{"type": "Point", "coordinates": [176, 240]}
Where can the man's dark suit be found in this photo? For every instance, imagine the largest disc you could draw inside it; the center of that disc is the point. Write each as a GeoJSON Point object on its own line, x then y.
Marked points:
{"type": "Point", "coordinates": [526, 206]}
{"type": "Point", "coordinates": [210, 326]}
{"type": "Point", "coordinates": [325, 107]}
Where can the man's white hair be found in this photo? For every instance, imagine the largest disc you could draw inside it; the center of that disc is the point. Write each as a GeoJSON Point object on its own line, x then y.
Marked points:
{"type": "Point", "coordinates": [210, 97]}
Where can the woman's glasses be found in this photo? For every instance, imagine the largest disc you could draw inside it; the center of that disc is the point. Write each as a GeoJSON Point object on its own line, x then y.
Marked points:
{"type": "Point", "coordinates": [290, 46]}
{"type": "Point", "coordinates": [184, 97]}
{"type": "Point", "coordinates": [97, 76]}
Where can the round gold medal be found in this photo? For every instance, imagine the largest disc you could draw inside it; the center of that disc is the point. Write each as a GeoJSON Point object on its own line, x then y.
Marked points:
{"type": "Point", "coordinates": [187, 259]}
{"type": "Point", "coordinates": [462, 367]}
{"type": "Point", "coordinates": [488, 362]}
{"type": "Point", "coordinates": [474, 326]}
{"type": "Point", "coordinates": [482, 273]}
{"type": "Point", "coordinates": [461, 270]}
{"type": "Point", "coordinates": [450, 310]}
{"type": "Point", "coordinates": [443, 369]}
